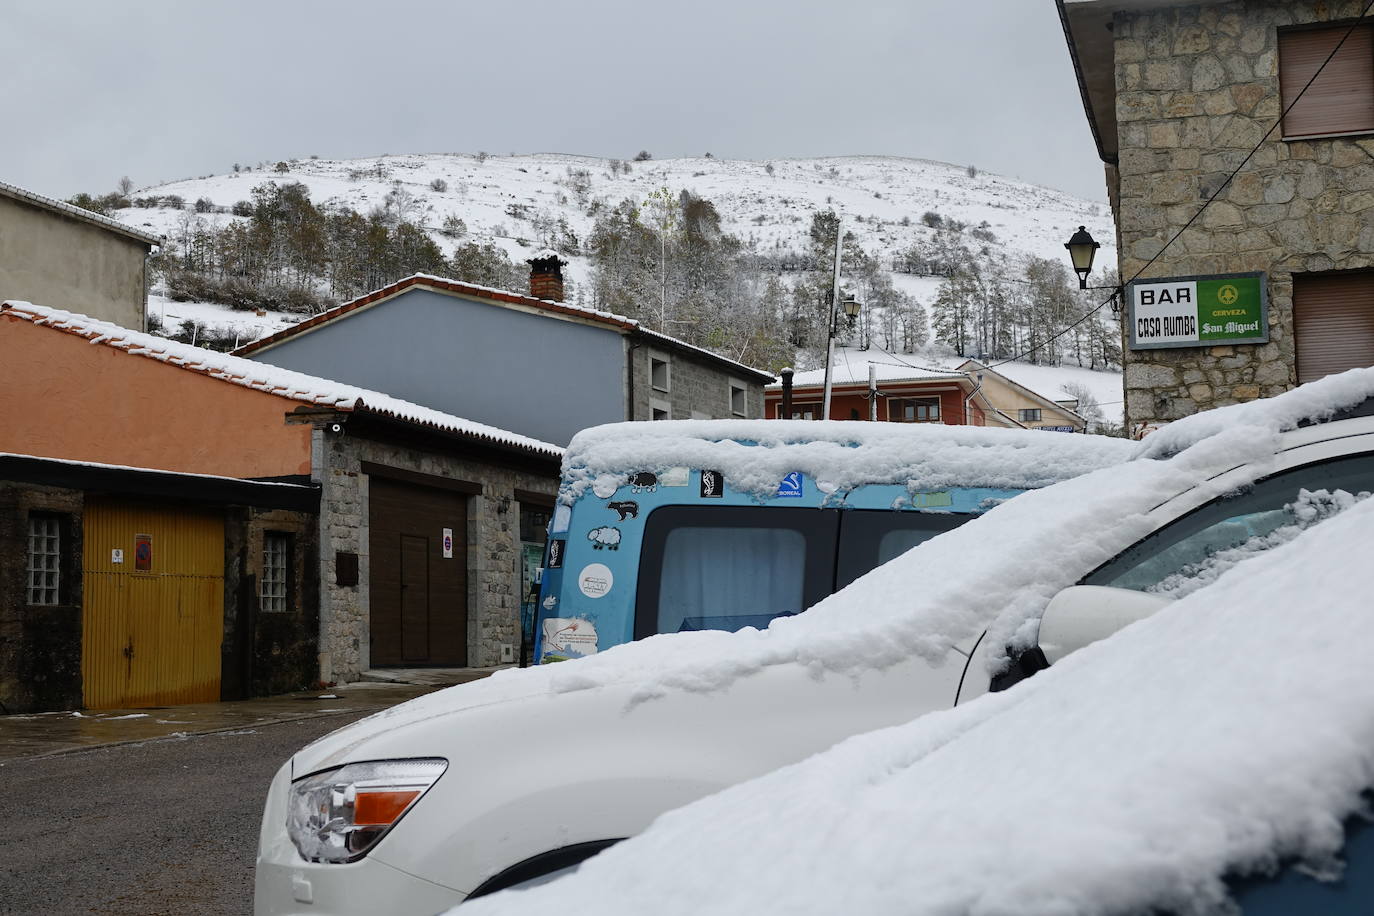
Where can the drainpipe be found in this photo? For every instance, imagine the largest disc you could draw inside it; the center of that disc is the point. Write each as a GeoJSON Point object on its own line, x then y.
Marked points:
{"type": "Point", "coordinates": [968, 417]}
{"type": "Point", "coordinates": [785, 412]}
{"type": "Point", "coordinates": [630, 380]}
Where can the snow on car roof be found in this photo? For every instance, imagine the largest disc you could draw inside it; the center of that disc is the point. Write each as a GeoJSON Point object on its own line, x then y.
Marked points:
{"type": "Point", "coordinates": [837, 454]}
{"type": "Point", "coordinates": [1232, 731]}
{"type": "Point", "coordinates": [997, 573]}
{"type": "Point", "coordinates": [285, 383]}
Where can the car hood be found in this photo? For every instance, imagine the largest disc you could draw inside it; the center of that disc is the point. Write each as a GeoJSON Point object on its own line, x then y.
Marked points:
{"type": "Point", "coordinates": [356, 741]}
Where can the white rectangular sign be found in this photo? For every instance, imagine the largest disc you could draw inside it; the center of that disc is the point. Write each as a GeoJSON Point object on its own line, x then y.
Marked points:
{"type": "Point", "coordinates": [1166, 313]}
{"type": "Point", "coordinates": [448, 543]}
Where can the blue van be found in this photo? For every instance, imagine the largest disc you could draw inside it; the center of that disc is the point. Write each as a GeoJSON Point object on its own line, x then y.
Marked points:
{"type": "Point", "coordinates": [657, 547]}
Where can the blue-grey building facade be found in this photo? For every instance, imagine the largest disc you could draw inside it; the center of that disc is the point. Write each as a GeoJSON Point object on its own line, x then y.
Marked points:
{"type": "Point", "coordinates": [529, 366]}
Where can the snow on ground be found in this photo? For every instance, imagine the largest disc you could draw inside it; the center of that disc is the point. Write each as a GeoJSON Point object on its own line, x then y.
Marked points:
{"type": "Point", "coordinates": [248, 326]}
{"type": "Point", "coordinates": [1004, 568]}
{"type": "Point", "coordinates": [1133, 775]}
{"type": "Point", "coordinates": [838, 456]}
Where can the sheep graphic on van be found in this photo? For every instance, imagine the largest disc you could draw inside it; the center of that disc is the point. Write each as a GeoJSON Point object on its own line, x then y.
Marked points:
{"type": "Point", "coordinates": [604, 538]}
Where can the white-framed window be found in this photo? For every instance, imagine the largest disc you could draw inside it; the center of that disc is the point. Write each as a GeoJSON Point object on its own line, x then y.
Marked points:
{"type": "Point", "coordinates": [44, 565]}
{"type": "Point", "coordinates": [660, 410]}
{"type": "Point", "coordinates": [913, 410]}
{"type": "Point", "coordinates": [806, 411]}
{"type": "Point", "coordinates": [275, 589]}
{"type": "Point", "coordinates": [739, 398]}
{"type": "Point", "coordinates": [660, 371]}
{"type": "Point", "coordinates": [1029, 415]}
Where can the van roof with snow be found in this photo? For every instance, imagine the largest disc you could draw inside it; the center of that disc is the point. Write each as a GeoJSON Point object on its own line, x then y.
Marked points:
{"type": "Point", "coordinates": [722, 524]}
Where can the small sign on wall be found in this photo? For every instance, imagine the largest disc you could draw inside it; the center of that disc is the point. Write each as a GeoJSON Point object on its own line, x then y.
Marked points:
{"type": "Point", "coordinates": [116, 555]}
{"type": "Point", "coordinates": [143, 552]}
{"type": "Point", "coordinates": [1197, 311]}
{"type": "Point", "coordinates": [448, 543]}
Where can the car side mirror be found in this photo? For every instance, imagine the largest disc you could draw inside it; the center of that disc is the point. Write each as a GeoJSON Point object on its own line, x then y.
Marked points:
{"type": "Point", "coordinates": [1082, 614]}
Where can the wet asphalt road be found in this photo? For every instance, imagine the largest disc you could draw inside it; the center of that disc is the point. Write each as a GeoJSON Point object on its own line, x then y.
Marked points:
{"type": "Point", "coordinates": [168, 826]}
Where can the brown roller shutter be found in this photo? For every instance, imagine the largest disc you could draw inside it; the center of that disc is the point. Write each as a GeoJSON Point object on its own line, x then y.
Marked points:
{"type": "Point", "coordinates": [1333, 322]}
{"type": "Point", "coordinates": [1341, 100]}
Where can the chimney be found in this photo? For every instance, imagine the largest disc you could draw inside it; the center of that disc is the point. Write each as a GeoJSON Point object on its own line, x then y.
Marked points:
{"type": "Point", "coordinates": [785, 412]}
{"type": "Point", "coordinates": [546, 276]}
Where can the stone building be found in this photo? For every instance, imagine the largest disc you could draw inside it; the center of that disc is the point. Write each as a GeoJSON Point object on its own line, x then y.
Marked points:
{"type": "Point", "coordinates": [531, 364]}
{"type": "Point", "coordinates": [422, 527]}
{"type": "Point", "coordinates": [128, 587]}
{"type": "Point", "coordinates": [57, 254]}
{"type": "Point", "coordinates": [1178, 95]}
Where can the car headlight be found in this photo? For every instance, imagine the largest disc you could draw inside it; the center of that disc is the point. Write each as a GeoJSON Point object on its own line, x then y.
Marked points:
{"type": "Point", "coordinates": [338, 815]}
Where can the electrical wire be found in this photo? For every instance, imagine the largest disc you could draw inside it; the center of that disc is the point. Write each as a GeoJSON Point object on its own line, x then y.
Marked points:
{"type": "Point", "coordinates": [1215, 194]}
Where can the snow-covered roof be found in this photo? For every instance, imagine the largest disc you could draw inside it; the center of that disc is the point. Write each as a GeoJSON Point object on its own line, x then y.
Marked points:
{"type": "Point", "coordinates": [852, 369]}
{"type": "Point", "coordinates": [66, 209]}
{"type": "Point", "coordinates": [1133, 776]}
{"type": "Point", "coordinates": [443, 284]}
{"type": "Point", "coordinates": [295, 386]}
{"type": "Point", "coordinates": [975, 368]}
{"type": "Point", "coordinates": [837, 454]}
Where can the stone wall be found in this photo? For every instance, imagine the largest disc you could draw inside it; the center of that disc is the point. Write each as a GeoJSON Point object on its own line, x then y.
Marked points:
{"type": "Point", "coordinates": [695, 387]}
{"type": "Point", "coordinates": [40, 647]}
{"type": "Point", "coordinates": [493, 539]}
{"type": "Point", "coordinates": [1197, 88]}
{"type": "Point", "coordinates": [268, 653]}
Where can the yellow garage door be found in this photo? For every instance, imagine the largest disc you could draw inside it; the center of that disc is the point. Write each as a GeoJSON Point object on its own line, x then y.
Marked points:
{"type": "Point", "coordinates": [153, 605]}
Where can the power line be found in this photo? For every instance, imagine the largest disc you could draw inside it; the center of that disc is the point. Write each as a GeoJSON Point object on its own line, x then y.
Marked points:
{"type": "Point", "coordinates": [1215, 194]}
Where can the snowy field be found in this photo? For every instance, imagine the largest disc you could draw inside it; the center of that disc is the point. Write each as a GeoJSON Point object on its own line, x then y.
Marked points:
{"type": "Point", "coordinates": [249, 326]}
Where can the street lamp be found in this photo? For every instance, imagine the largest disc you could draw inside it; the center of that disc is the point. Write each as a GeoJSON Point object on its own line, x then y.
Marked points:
{"type": "Point", "coordinates": [851, 309]}
{"type": "Point", "coordinates": [1082, 250]}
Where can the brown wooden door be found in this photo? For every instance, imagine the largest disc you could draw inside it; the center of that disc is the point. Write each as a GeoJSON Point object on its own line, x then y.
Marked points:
{"type": "Point", "coordinates": [417, 595]}
{"type": "Point", "coordinates": [414, 598]}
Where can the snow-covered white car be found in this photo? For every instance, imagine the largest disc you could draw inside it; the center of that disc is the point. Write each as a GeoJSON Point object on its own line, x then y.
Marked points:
{"type": "Point", "coordinates": [496, 783]}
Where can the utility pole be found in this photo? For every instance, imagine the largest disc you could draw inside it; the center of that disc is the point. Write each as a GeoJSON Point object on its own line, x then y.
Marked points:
{"type": "Point", "coordinates": [830, 325]}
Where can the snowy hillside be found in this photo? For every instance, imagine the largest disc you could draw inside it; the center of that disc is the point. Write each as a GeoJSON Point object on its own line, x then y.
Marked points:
{"type": "Point", "coordinates": [505, 199]}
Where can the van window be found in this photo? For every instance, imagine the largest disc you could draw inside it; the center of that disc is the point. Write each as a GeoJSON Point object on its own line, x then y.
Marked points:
{"type": "Point", "coordinates": [871, 537]}
{"type": "Point", "coordinates": [728, 567]}
{"type": "Point", "coordinates": [728, 578]}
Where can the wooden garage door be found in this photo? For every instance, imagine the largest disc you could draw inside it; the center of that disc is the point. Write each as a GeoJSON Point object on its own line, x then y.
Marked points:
{"type": "Point", "coordinates": [1333, 323]}
{"type": "Point", "coordinates": [417, 594]}
{"type": "Point", "coordinates": [152, 605]}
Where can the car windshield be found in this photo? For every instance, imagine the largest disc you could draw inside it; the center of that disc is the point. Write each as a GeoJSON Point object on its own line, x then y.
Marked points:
{"type": "Point", "coordinates": [1193, 551]}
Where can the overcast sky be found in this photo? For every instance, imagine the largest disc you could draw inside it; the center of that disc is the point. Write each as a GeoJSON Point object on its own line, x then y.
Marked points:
{"type": "Point", "coordinates": [166, 90]}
